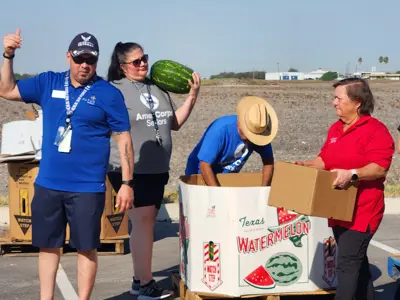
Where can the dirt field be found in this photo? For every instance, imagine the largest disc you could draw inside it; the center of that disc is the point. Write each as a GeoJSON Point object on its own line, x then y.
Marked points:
{"type": "Point", "coordinates": [304, 111]}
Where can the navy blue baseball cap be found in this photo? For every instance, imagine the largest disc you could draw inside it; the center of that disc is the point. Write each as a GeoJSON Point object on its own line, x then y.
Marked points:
{"type": "Point", "coordinates": [84, 43]}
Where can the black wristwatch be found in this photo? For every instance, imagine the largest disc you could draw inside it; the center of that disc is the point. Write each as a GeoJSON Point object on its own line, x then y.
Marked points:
{"type": "Point", "coordinates": [130, 183]}
{"type": "Point", "coordinates": [354, 176]}
{"type": "Point", "coordinates": [8, 57]}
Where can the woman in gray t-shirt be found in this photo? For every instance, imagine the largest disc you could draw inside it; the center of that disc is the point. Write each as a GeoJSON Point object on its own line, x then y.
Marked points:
{"type": "Point", "coordinates": [152, 116]}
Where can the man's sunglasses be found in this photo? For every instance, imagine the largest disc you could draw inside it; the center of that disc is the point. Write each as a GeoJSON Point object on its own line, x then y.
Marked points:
{"type": "Point", "coordinates": [91, 60]}
{"type": "Point", "coordinates": [138, 61]}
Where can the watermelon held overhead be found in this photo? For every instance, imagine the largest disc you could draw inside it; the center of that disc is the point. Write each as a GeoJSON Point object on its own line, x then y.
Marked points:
{"type": "Point", "coordinates": [260, 278]}
{"type": "Point", "coordinates": [171, 76]}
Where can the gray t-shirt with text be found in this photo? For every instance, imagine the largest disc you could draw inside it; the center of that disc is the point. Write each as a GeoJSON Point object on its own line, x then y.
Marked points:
{"type": "Point", "coordinates": [150, 158]}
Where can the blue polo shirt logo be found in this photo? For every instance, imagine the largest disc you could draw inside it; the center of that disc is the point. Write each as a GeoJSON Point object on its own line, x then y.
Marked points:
{"type": "Point", "coordinates": [91, 100]}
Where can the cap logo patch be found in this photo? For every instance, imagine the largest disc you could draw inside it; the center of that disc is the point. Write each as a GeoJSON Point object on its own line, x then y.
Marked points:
{"type": "Point", "coordinates": [85, 42]}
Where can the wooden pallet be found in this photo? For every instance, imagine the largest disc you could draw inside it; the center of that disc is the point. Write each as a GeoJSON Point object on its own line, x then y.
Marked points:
{"type": "Point", "coordinates": [10, 247]}
{"type": "Point", "coordinates": [184, 293]}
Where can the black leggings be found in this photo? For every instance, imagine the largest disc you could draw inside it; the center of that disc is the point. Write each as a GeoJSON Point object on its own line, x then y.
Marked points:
{"type": "Point", "coordinates": [354, 277]}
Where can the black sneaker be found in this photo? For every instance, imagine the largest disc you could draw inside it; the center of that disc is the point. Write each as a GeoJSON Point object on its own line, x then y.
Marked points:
{"type": "Point", "coordinates": [135, 287]}
{"type": "Point", "coordinates": [152, 291]}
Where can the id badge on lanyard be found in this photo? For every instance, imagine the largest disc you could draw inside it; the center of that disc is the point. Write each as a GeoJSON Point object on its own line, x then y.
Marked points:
{"type": "Point", "coordinates": [64, 133]}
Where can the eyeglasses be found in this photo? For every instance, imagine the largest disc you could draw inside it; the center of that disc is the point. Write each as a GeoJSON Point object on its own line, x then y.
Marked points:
{"type": "Point", "coordinates": [138, 61]}
{"type": "Point", "coordinates": [91, 60]}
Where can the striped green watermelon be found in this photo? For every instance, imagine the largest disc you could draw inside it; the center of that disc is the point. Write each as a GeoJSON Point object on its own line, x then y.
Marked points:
{"type": "Point", "coordinates": [285, 268]}
{"type": "Point", "coordinates": [171, 76]}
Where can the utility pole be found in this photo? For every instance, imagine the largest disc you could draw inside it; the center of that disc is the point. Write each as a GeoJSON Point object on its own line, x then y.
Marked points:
{"type": "Point", "coordinates": [279, 74]}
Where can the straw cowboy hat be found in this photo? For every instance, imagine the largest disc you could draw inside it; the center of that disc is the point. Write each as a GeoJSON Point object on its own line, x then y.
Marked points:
{"type": "Point", "coordinates": [257, 120]}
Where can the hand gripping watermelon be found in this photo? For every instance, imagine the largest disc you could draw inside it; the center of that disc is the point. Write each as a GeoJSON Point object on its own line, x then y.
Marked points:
{"type": "Point", "coordinates": [171, 76]}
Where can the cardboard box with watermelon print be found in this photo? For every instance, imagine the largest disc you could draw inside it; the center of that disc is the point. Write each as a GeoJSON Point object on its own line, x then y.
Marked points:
{"type": "Point", "coordinates": [232, 243]}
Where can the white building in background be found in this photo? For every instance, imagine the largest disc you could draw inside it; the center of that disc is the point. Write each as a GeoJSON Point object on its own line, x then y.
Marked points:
{"type": "Point", "coordinates": [380, 75]}
{"type": "Point", "coordinates": [316, 74]}
{"type": "Point", "coordinates": [284, 76]}
{"type": "Point", "coordinates": [313, 75]}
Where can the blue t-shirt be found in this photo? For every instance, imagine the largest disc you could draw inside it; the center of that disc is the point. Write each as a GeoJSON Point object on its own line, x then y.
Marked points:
{"type": "Point", "coordinates": [101, 111]}
{"type": "Point", "coordinates": [222, 147]}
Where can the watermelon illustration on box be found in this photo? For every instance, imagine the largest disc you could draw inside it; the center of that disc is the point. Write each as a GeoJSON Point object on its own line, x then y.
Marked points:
{"type": "Point", "coordinates": [285, 268]}
{"type": "Point", "coordinates": [171, 76]}
{"type": "Point", "coordinates": [248, 247]}
{"type": "Point", "coordinates": [281, 269]}
{"type": "Point", "coordinates": [292, 219]}
{"type": "Point", "coordinates": [260, 279]}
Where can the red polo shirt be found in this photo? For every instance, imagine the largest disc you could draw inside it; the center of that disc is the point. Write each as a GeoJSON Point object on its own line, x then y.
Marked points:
{"type": "Point", "coordinates": [367, 141]}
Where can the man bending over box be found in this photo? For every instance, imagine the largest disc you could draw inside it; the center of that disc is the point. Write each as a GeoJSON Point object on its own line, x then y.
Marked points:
{"type": "Point", "coordinates": [229, 141]}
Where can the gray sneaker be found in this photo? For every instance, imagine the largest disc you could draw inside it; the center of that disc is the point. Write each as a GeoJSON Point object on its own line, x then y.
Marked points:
{"type": "Point", "coordinates": [152, 291]}
{"type": "Point", "coordinates": [135, 287]}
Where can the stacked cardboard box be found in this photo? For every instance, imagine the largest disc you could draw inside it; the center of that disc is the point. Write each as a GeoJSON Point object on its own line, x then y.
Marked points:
{"type": "Point", "coordinates": [21, 189]}
{"type": "Point", "coordinates": [20, 150]}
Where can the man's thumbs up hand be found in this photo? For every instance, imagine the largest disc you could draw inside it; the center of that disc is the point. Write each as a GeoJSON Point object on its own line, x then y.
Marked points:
{"type": "Point", "coordinates": [11, 42]}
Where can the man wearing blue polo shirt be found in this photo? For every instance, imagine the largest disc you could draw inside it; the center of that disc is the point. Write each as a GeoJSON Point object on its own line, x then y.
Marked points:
{"type": "Point", "coordinates": [80, 111]}
{"type": "Point", "coordinates": [230, 140]}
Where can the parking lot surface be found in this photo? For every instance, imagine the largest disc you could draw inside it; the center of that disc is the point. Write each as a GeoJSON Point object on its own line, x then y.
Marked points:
{"type": "Point", "coordinates": [19, 280]}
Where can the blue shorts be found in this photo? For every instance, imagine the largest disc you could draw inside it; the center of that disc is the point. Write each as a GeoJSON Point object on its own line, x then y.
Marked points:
{"type": "Point", "coordinates": [51, 210]}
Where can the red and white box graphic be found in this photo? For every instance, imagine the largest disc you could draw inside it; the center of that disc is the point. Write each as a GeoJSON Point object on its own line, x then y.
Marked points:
{"type": "Point", "coordinates": [329, 260]}
{"type": "Point", "coordinates": [211, 265]}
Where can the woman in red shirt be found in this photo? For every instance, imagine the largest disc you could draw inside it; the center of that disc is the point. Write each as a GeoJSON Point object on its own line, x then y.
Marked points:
{"type": "Point", "coordinates": [360, 149]}
{"type": "Point", "coordinates": [398, 139]}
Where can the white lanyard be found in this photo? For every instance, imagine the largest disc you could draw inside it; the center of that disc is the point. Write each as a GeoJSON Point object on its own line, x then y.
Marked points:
{"type": "Point", "coordinates": [68, 108]}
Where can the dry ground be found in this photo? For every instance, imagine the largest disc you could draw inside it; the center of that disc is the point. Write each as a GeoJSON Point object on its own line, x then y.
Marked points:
{"type": "Point", "coordinates": [304, 111]}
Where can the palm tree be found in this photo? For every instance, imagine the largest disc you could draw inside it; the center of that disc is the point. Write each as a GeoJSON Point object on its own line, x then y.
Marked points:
{"type": "Point", "coordinates": [359, 62]}
{"type": "Point", "coordinates": [386, 59]}
{"type": "Point", "coordinates": [380, 59]}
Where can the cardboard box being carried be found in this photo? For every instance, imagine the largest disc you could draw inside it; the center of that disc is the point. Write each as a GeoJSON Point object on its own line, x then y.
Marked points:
{"type": "Point", "coordinates": [232, 244]}
{"type": "Point", "coordinates": [21, 190]}
{"type": "Point", "coordinates": [309, 191]}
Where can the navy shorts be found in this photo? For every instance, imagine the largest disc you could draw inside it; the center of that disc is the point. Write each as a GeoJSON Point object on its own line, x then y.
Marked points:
{"type": "Point", "coordinates": [149, 188]}
{"type": "Point", "coordinates": [51, 210]}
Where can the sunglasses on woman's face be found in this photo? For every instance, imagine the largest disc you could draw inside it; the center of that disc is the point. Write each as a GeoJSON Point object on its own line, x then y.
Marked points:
{"type": "Point", "coordinates": [138, 61]}
{"type": "Point", "coordinates": [91, 60]}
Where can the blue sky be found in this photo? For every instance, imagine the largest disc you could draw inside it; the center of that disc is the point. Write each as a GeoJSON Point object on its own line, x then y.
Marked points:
{"type": "Point", "coordinates": [212, 36]}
